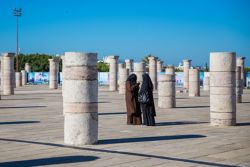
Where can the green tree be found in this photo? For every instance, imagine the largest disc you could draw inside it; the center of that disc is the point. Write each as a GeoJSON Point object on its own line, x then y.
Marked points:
{"type": "Point", "coordinates": [103, 67]}
{"type": "Point", "coordinates": [145, 59]}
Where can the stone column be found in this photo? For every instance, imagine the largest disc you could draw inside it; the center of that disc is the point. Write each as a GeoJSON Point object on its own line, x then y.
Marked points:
{"type": "Point", "coordinates": [2, 74]}
{"type": "Point", "coordinates": [159, 65]}
{"type": "Point", "coordinates": [139, 70]}
{"type": "Point", "coordinates": [129, 65]}
{"type": "Point", "coordinates": [170, 70]}
{"type": "Point", "coordinates": [186, 66]}
{"type": "Point", "coordinates": [239, 87]}
{"type": "Point", "coordinates": [166, 91]}
{"type": "Point", "coordinates": [222, 88]}
{"type": "Point", "coordinates": [53, 73]}
{"type": "Point", "coordinates": [123, 75]}
{"type": "Point", "coordinates": [80, 98]}
{"type": "Point", "coordinates": [206, 84]}
{"type": "Point", "coordinates": [152, 66]}
{"type": "Point", "coordinates": [24, 77]}
{"type": "Point", "coordinates": [27, 67]}
{"type": "Point", "coordinates": [8, 73]}
{"type": "Point", "coordinates": [240, 61]}
{"type": "Point", "coordinates": [113, 73]}
{"type": "Point", "coordinates": [18, 79]}
{"type": "Point", "coordinates": [194, 82]}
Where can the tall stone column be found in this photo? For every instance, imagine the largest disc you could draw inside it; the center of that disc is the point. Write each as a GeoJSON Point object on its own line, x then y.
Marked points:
{"type": "Point", "coordinates": [123, 75]}
{"type": "Point", "coordinates": [139, 70]}
{"type": "Point", "coordinates": [206, 81]}
{"type": "Point", "coordinates": [8, 73]}
{"type": "Point", "coordinates": [53, 73]}
{"type": "Point", "coordinates": [113, 73]}
{"type": "Point", "coordinates": [194, 82]}
{"type": "Point", "coordinates": [18, 79]}
{"type": "Point", "coordinates": [80, 98]}
{"type": "Point", "coordinates": [2, 74]}
{"type": "Point", "coordinates": [186, 67]}
{"type": "Point", "coordinates": [129, 65]}
{"type": "Point", "coordinates": [27, 67]}
{"type": "Point", "coordinates": [166, 91]}
{"type": "Point", "coordinates": [24, 77]}
{"type": "Point", "coordinates": [159, 65]}
{"type": "Point", "coordinates": [222, 88]}
{"type": "Point", "coordinates": [240, 61]}
{"type": "Point", "coordinates": [239, 87]}
{"type": "Point", "coordinates": [170, 70]}
{"type": "Point", "coordinates": [153, 71]}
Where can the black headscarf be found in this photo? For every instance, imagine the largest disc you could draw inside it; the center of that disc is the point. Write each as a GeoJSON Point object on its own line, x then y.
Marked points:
{"type": "Point", "coordinates": [132, 78]}
{"type": "Point", "coordinates": [147, 84]}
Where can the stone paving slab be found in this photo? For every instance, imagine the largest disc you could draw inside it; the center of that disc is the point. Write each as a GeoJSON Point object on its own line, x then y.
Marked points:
{"type": "Point", "coordinates": [31, 133]}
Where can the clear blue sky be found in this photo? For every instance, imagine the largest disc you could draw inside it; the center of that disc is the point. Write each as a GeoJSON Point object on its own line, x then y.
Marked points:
{"type": "Point", "coordinates": [170, 29]}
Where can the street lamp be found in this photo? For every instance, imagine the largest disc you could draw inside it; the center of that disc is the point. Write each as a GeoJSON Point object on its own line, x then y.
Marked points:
{"type": "Point", "coordinates": [17, 13]}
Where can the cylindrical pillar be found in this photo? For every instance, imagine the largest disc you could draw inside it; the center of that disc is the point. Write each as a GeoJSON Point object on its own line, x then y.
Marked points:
{"type": "Point", "coordinates": [123, 75]}
{"type": "Point", "coordinates": [80, 98]}
{"type": "Point", "coordinates": [139, 70]}
{"type": "Point", "coordinates": [8, 73]}
{"type": "Point", "coordinates": [18, 79]}
{"type": "Point", "coordinates": [24, 77]}
{"type": "Point", "coordinates": [206, 81]}
{"type": "Point", "coordinates": [53, 73]}
{"type": "Point", "coordinates": [170, 70]}
{"type": "Point", "coordinates": [222, 88]}
{"type": "Point", "coordinates": [240, 61]}
{"type": "Point", "coordinates": [194, 83]}
{"type": "Point", "coordinates": [159, 65]}
{"type": "Point", "coordinates": [153, 71]}
{"type": "Point", "coordinates": [27, 67]}
{"type": "Point", "coordinates": [186, 66]}
{"type": "Point", "coordinates": [113, 73]}
{"type": "Point", "coordinates": [2, 77]}
{"type": "Point", "coordinates": [129, 65]}
{"type": "Point", "coordinates": [166, 91]}
{"type": "Point", "coordinates": [239, 87]}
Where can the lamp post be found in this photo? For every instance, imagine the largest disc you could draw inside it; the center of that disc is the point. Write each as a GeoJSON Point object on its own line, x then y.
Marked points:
{"type": "Point", "coordinates": [17, 13]}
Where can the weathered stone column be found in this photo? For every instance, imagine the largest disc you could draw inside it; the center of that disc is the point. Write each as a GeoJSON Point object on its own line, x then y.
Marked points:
{"type": "Point", "coordinates": [80, 98]}
{"type": "Point", "coordinates": [159, 65]}
{"type": "Point", "coordinates": [166, 91]}
{"type": "Point", "coordinates": [18, 79]}
{"type": "Point", "coordinates": [206, 80]}
{"type": "Point", "coordinates": [129, 65]}
{"type": "Point", "coordinates": [239, 86]}
{"type": "Point", "coordinates": [222, 88]}
{"type": "Point", "coordinates": [153, 71]}
{"type": "Point", "coordinates": [240, 61]}
{"type": "Point", "coordinates": [53, 73]}
{"type": "Point", "coordinates": [139, 70]}
{"type": "Point", "coordinates": [113, 73]}
{"type": "Point", "coordinates": [2, 73]}
{"type": "Point", "coordinates": [194, 82]}
{"type": "Point", "coordinates": [123, 75]}
{"type": "Point", "coordinates": [170, 70]}
{"type": "Point", "coordinates": [186, 66]}
{"type": "Point", "coordinates": [27, 67]}
{"type": "Point", "coordinates": [8, 73]}
{"type": "Point", "coordinates": [24, 77]}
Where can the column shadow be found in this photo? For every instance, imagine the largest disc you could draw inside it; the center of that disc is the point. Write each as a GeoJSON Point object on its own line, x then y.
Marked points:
{"type": "Point", "coordinates": [193, 107]}
{"type": "Point", "coordinates": [178, 123]}
{"type": "Point", "coordinates": [112, 113]}
{"type": "Point", "coordinates": [18, 122]}
{"type": "Point", "coordinates": [23, 107]}
{"type": "Point", "coordinates": [243, 124]}
{"type": "Point", "coordinates": [199, 162]}
{"type": "Point", "coordinates": [49, 161]}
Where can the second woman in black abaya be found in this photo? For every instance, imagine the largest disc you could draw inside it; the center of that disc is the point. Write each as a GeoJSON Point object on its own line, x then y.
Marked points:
{"type": "Point", "coordinates": [148, 109]}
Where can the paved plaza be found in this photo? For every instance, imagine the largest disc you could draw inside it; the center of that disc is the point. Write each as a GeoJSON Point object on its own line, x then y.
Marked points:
{"type": "Point", "coordinates": [31, 133]}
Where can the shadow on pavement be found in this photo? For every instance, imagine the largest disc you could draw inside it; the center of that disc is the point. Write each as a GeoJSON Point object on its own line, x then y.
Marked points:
{"type": "Point", "coordinates": [199, 162]}
{"type": "Point", "coordinates": [49, 161]}
{"type": "Point", "coordinates": [18, 122]}
{"type": "Point", "coordinates": [178, 123]}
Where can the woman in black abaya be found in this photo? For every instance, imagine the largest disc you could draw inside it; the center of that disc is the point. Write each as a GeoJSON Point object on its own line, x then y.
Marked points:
{"type": "Point", "coordinates": [148, 109]}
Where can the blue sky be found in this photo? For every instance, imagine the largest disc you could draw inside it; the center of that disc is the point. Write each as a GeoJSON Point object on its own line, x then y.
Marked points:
{"type": "Point", "coordinates": [170, 29]}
